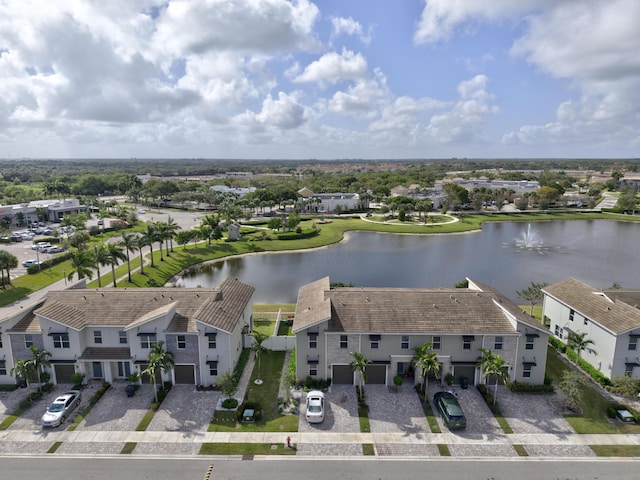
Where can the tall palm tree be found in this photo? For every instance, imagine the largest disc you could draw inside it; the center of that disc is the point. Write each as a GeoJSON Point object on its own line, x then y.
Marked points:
{"type": "Point", "coordinates": [130, 244]}
{"type": "Point", "coordinates": [426, 360]}
{"type": "Point", "coordinates": [23, 369]}
{"type": "Point", "coordinates": [493, 366]}
{"type": "Point", "coordinates": [39, 361]}
{"type": "Point", "coordinates": [7, 262]}
{"type": "Point", "coordinates": [115, 254]}
{"type": "Point", "coordinates": [148, 238]}
{"type": "Point", "coordinates": [101, 257]}
{"type": "Point", "coordinates": [258, 349]}
{"type": "Point", "coordinates": [82, 263]}
{"type": "Point", "coordinates": [158, 236]}
{"type": "Point", "coordinates": [160, 361]}
{"type": "Point", "coordinates": [359, 365]}
{"type": "Point", "coordinates": [580, 343]}
{"type": "Point", "coordinates": [206, 232]}
{"type": "Point", "coordinates": [171, 227]}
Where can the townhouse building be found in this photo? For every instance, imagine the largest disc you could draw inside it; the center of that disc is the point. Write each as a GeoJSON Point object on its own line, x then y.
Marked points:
{"type": "Point", "coordinates": [106, 334]}
{"type": "Point", "coordinates": [610, 318]}
{"type": "Point", "coordinates": [385, 324]}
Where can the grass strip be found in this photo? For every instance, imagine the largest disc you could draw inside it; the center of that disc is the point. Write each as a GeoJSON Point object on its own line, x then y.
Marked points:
{"type": "Point", "coordinates": [432, 421]}
{"type": "Point", "coordinates": [443, 450]}
{"type": "Point", "coordinates": [128, 448]}
{"type": "Point", "coordinates": [520, 450]}
{"type": "Point", "coordinates": [616, 450]}
{"type": "Point", "coordinates": [6, 423]}
{"type": "Point", "coordinates": [363, 419]}
{"type": "Point", "coordinates": [53, 448]}
{"type": "Point", "coordinates": [98, 395]}
{"type": "Point", "coordinates": [368, 450]}
{"type": "Point", "coordinates": [246, 449]}
{"type": "Point", "coordinates": [146, 420]}
{"type": "Point", "coordinates": [506, 428]}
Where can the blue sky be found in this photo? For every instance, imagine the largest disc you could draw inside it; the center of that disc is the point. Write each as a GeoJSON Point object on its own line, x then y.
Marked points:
{"type": "Point", "coordinates": [329, 79]}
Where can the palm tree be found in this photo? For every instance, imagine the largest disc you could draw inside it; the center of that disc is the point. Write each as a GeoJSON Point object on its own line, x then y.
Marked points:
{"type": "Point", "coordinates": [23, 369]}
{"type": "Point", "coordinates": [101, 257]}
{"type": "Point", "coordinates": [148, 238]}
{"type": "Point", "coordinates": [171, 228]}
{"type": "Point", "coordinates": [493, 366]}
{"type": "Point", "coordinates": [206, 232]}
{"type": "Point", "coordinates": [258, 349]}
{"type": "Point", "coordinates": [39, 361]}
{"type": "Point", "coordinates": [158, 236]}
{"type": "Point", "coordinates": [115, 254]}
{"type": "Point", "coordinates": [7, 262]}
{"type": "Point", "coordinates": [426, 360]}
{"type": "Point", "coordinates": [160, 361]}
{"type": "Point", "coordinates": [359, 365]}
{"type": "Point", "coordinates": [82, 263]}
{"type": "Point", "coordinates": [130, 243]}
{"type": "Point", "coordinates": [580, 343]}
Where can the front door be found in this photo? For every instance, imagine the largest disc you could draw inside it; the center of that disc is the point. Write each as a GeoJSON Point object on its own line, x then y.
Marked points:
{"type": "Point", "coordinates": [97, 369]}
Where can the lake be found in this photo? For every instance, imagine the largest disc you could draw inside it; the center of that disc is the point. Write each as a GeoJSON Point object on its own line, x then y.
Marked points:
{"type": "Point", "coordinates": [597, 252]}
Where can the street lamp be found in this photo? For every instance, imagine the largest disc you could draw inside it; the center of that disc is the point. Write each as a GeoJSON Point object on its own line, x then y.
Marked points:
{"type": "Point", "coordinates": [38, 256]}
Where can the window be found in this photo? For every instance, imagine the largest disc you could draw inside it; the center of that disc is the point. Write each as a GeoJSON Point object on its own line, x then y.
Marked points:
{"type": "Point", "coordinates": [436, 343]}
{"type": "Point", "coordinates": [97, 337]}
{"type": "Point", "coordinates": [147, 340]}
{"type": "Point", "coordinates": [28, 341]}
{"type": "Point", "coordinates": [466, 342]}
{"type": "Point", "coordinates": [586, 321]}
{"type": "Point", "coordinates": [313, 369]}
{"type": "Point", "coordinates": [182, 341]}
{"type": "Point", "coordinates": [633, 343]}
{"type": "Point", "coordinates": [61, 340]}
{"type": "Point", "coordinates": [0, 340]}
{"type": "Point", "coordinates": [123, 337]}
{"type": "Point", "coordinates": [404, 342]}
{"type": "Point", "coordinates": [571, 314]}
{"type": "Point", "coordinates": [212, 341]}
{"type": "Point", "coordinates": [344, 341]}
{"type": "Point", "coordinates": [526, 373]}
{"type": "Point", "coordinates": [124, 369]}
{"type": "Point", "coordinates": [400, 370]}
{"type": "Point", "coordinates": [313, 340]}
{"type": "Point", "coordinates": [374, 341]}
{"type": "Point", "coordinates": [497, 345]}
{"type": "Point", "coordinates": [3, 367]}
{"type": "Point", "coordinates": [558, 331]}
{"type": "Point", "coordinates": [213, 369]}
{"type": "Point", "coordinates": [529, 343]}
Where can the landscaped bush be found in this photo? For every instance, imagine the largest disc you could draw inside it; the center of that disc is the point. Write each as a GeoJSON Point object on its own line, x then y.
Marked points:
{"type": "Point", "coordinates": [8, 388]}
{"type": "Point", "coordinates": [583, 364]}
{"type": "Point", "coordinates": [527, 387]}
{"type": "Point", "coordinates": [316, 384]}
{"type": "Point", "coordinates": [557, 344]}
{"type": "Point", "coordinates": [229, 403]}
{"type": "Point", "coordinates": [33, 269]}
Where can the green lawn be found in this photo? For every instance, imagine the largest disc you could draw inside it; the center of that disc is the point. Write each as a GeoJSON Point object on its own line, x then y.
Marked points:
{"type": "Point", "coordinates": [246, 449]}
{"type": "Point", "coordinates": [266, 327]}
{"type": "Point", "coordinates": [266, 395]}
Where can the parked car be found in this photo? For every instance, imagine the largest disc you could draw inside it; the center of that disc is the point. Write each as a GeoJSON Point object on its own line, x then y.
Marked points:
{"type": "Point", "coordinates": [53, 249]}
{"type": "Point", "coordinates": [450, 410]}
{"type": "Point", "coordinates": [142, 211]}
{"type": "Point", "coordinates": [40, 246]}
{"type": "Point", "coordinates": [29, 263]}
{"type": "Point", "coordinates": [61, 408]}
{"type": "Point", "coordinates": [315, 406]}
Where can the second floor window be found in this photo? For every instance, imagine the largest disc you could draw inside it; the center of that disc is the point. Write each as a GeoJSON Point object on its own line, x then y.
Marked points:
{"type": "Point", "coordinates": [633, 343]}
{"type": "Point", "coordinates": [313, 340]}
{"type": "Point", "coordinates": [123, 337]}
{"type": "Point", "coordinates": [0, 340]}
{"type": "Point", "coordinates": [466, 342]}
{"type": "Point", "coordinates": [97, 337]}
{"type": "Point", "coordinates": [529, 343]}
{"type": "Point", "coordinates": [404, 342]}
{"type": "Point", "coordinates": [147, 340]}
{"type": "Point", "coordinates": [436, 343]}
{"type": "Point", "coordinates": [571, 314]}
{"type": "Point", "coordinates": [28, 341]}
{"type": "Point", "coordinates": [344, 341]}
{"type": "Point", "coordinates": [497, 345]}
{"type": "Point", "coordinates": [182, 341]}
{"type": "Point", "coordinates": [61, 341]}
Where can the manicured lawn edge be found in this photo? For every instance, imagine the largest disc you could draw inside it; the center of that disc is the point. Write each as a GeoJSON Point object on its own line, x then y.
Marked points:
{"type": "Point", "coordinates": [53, 448]}
{"type": "Point", "coordinates": [128, 448]}
{"type": "Point", "coordinates": [368, 449]}
{"type": "Point", "coordinates": [616, 450]}
{"type": "Point", "coordinates": [520, 450]}
{"type": "Point", "coordinates": [443, 450]}
{"type": "Point", "coordinates": [246, 449]}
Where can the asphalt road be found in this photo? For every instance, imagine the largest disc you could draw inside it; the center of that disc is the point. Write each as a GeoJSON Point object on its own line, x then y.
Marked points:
{"type": "Point", "coordinates": [329, 468]}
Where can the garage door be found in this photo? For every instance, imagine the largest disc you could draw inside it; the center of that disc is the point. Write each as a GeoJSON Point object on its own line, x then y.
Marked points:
{"type": "Point", "coordinates": [63, 373]}
{"type": "Point", "coordinates": [185, 374]}
{"type": "Point", "coordinates": [467, 371]}
{"type": "Point", "coordinates": [342, 375]}
{"type": "Point", "coordinates": [147, 378]}
{"type": "Point", "coordinates": [376, 374]}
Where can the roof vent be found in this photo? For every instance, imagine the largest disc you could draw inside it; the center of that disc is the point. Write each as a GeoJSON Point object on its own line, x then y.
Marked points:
{"type": "Point", "coordinates": [434, 306]}
{"type": "Point", "coordinates": [84, 296]}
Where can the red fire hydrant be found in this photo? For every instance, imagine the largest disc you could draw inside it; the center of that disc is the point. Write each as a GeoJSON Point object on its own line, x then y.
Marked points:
{"type": "Point", "coordinates": [288, 442]}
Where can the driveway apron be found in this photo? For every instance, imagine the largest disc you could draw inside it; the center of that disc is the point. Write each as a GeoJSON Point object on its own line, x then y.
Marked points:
{"type": "Point", "coordinates": [116, 411]}
{"type": "Point", "coordinates": [185, 410]}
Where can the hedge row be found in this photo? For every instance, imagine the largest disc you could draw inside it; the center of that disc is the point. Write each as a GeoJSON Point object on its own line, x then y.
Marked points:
{"type": "Point", "coordinates": [33, 269]}
{"type": "Point", "coordinates": [582, 363]}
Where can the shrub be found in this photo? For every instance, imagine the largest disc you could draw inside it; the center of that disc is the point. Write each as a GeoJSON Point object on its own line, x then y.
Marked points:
{"type": "Point", "coordinates": [229, 403]}
{"type": "Point", "coordinates": [24, 404]}
{"type": "Point", "coordinates": [77, 378]}
{"type": "Point", "coordinates": [516, 386]}
{"type": "Point", "coordinates": [397, 380]}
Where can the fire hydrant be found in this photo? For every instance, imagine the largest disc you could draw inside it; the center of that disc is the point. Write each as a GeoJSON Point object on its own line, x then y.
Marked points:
{"type": "Point", "coordinates": [288, 442]}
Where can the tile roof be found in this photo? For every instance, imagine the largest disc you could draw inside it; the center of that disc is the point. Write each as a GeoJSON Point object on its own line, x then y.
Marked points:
{"type": "Point", "coordinates": [106, 353]}
{"type": "Point", "coordinates": [608, 308]}
{"type": "Point", "coordinates": [405, 310]}
{"type": "Point", "coordinates": [220, 307]}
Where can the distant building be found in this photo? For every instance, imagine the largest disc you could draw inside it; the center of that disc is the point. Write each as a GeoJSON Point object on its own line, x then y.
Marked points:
{"type": "Point", "coordinates": [239, 191]}
{"type": "Point", "coordinates": [330, 202]}
{"type": "Point", "coordinates": [518, 186]}
{"type": "Point", "coordinates": [24, 214]}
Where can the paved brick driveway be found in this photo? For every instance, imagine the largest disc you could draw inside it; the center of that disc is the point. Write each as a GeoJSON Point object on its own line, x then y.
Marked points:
{"type": "Point", "coordinates": [10, 402]}
{"type": "Point", "coordinates": [115, 411]}
{"type": "Point", "coordinates": [185, 410]}
{"type": "Point", "coordinates": [31, 418]}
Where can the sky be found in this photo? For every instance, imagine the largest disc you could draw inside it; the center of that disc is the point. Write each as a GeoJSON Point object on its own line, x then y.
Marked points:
{"type": "Point", "coordinates": [324, 79]}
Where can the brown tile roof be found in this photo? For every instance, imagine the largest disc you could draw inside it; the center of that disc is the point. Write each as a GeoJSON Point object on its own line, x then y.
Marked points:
{"type": "Point", "coordinates": [106, 353]}
{"type": "Point", "coordinates": [219, 307]}
{"type": "Point", "coordinates": [28, 324]}
{"type": "Point", "coordinates": [223, 311]}
{"type": "Point", "coordinates": [405, 310]}
{"type": "Point", "coordinates": [313, 304]}
{"type": "Point", "coordinates": [607, 308]}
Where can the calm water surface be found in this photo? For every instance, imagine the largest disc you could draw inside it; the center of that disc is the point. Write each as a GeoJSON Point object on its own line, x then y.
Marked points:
{"type": "Point", "coordinates": [597, 252]}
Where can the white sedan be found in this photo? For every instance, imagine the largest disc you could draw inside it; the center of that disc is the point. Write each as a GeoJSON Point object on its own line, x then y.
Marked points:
{"type": "Point", "coordinates": [315, 406]}
{"type": "Point", "coordinates": [61, 408]}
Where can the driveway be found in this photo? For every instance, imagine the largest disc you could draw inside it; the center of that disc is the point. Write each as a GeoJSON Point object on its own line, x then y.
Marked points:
{"type": "Point", "coordinates": [117, 412]}
{"type": "Point", "coordinates": [10, 402]}
{"type": "Point", "coordinates": [185, 410]}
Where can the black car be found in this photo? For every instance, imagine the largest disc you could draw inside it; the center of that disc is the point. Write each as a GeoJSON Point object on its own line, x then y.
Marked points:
{"type": "Point", "coordinates": [450, 410]}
